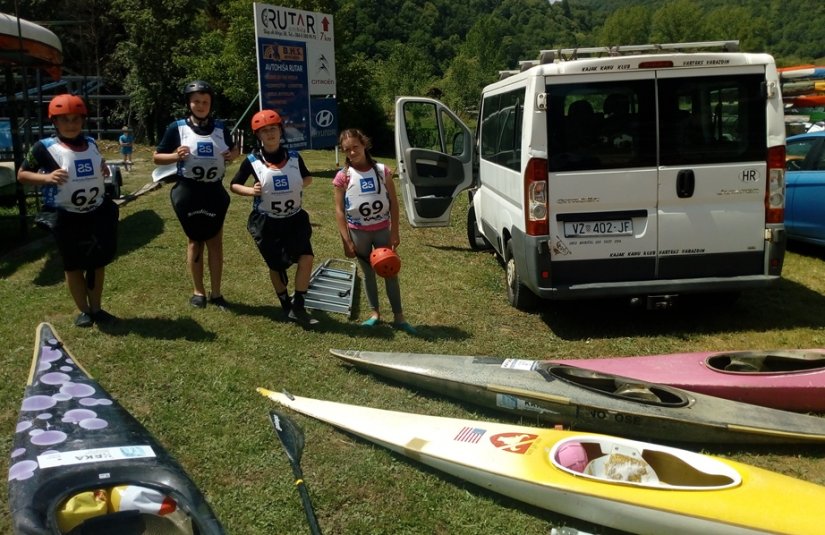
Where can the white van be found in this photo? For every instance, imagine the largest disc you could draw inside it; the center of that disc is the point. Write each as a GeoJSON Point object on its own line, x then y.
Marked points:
{"type": "Point", "coordinates": [645, 175]}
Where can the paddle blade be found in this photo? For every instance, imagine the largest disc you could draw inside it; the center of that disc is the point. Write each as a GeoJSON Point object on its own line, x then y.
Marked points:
{"type": "Point", "coordinates": [290, 435]}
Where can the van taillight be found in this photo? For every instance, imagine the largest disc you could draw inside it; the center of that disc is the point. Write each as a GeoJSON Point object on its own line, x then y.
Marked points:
{"type": "Point", "coordinates": [535, 198]}
{"type": "Point", "coordinates": [775, 192]}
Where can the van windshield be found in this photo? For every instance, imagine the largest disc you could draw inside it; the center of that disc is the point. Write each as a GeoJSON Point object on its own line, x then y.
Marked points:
{"type": "Point", "coordinates": [612, 125]}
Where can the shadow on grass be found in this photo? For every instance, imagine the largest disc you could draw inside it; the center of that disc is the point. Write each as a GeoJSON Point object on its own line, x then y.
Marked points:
{"type": "Point", "coordinates": [160, 329]}
{"type": "Point", "coordinates": [806, 249]}
{"type": "Point", "coordinates": [134, 232]}
{"type": "Point", "coordinates": [789, 305]}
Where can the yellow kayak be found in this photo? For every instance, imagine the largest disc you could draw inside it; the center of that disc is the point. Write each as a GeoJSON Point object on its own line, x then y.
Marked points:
{"type": "Point", "coordinates": [624, 484]}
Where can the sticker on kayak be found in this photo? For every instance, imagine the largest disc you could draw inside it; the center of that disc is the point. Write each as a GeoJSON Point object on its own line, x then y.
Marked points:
{"type": "Point", "coordinates": [96, 455]}
{"type": "Point", "coordinates": [519, 364]}
{"type": "Point", "coordinates": [513, 403]}
{"type": "Point", "coordinates": [513, 442]}
{"type": "Point", "coordinates": [470, 434]}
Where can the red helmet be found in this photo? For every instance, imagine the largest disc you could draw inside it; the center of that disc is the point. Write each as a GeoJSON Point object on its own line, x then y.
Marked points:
{"type": "Point", "coordinates": [385, 262]}
{"type": "Point", "coordinates": [67, 104]}
{"type": "Point", "coordinates": [265, 118]}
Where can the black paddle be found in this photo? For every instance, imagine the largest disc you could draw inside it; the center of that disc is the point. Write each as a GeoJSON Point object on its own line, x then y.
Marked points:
{"type": "Point", "coordinates": [292, 438]}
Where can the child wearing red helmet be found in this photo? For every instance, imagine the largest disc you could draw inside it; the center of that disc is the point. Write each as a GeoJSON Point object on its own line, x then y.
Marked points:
{"type": "Point", "coordinates": [70, 171]}
{"type": "Point", "coordinates": [278, 223]}
{"type": "Point", "coordinates": [366, 211]}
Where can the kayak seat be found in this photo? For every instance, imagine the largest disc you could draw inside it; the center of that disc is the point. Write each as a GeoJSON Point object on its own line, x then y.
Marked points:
{"type": "Point", "coordinates": [131, 522]}
{"type": "Point", "coordinates": [636, 391]}
{"type": "Point", "coordinates": [122, 522]}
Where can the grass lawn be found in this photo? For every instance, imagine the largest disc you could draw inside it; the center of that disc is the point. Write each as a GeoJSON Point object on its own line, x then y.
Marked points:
{"type": "Point", "coordinates": [190, 375]}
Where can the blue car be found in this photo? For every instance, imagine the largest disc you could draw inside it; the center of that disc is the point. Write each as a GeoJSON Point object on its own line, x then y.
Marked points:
{"type": "Point", "coordinates": [805, 181]}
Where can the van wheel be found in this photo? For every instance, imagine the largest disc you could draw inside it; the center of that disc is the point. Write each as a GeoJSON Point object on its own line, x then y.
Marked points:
{"type": "Point", "coordinates": [474, 238]}
{"type": "Point", "coordinates": [518, 295]}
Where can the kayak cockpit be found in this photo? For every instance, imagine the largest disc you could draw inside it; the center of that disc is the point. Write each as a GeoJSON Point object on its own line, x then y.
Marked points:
{"type": "Point", "coordinates": [767, 362]}
{"type": "Point", "coordinates": [616, 386]}
{"type": "Point", "coordinates": [614, 460]}
{"type": "Point", "coordinates": [123, 509]}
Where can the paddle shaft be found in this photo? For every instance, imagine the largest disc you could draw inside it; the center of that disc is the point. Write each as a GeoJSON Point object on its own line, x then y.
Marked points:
{"type": "Point", "coordinates": [307, 503]}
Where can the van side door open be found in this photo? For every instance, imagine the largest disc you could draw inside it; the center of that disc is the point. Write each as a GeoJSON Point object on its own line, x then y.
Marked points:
{"type": "Point", "coordinates": [434, 151]}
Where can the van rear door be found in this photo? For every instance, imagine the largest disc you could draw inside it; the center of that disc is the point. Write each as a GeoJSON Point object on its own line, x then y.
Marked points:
{"type": "Point", "coordinates": [434, 150]}
{"type": "Point", "coordinates": [603, 178]}
{"type": "Point", "coordinates": [713, 172]}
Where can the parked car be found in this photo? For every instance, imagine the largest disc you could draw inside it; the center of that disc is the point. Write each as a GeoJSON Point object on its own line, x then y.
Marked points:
{"type": "Point", "coordinates": [805, 183]}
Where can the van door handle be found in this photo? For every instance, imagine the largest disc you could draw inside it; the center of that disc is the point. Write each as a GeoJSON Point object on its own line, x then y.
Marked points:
{"type": "Point", "coordinates": [685, 183]}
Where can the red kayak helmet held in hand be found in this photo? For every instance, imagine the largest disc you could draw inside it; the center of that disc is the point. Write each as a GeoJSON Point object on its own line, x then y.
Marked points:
{"type": "Point", "coordinates": [385, 262]}
{"type": "Point", "coordinates": [265, 118]}
{"type": "Point", "coordinates": [67, 104]}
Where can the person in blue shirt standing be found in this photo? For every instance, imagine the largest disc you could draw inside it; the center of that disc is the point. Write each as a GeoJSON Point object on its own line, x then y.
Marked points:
{"type": "Point", "coordinates": [126, 141]}
{"type": "Point", "coordinates": [200, 145]}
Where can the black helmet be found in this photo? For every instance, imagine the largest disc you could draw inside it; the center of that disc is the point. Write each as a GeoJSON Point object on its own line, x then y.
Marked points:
{"type": "Point", "coordinates": [198, 86]}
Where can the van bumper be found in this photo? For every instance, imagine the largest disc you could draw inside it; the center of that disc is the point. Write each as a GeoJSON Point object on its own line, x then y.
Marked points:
{"type": "Point", "coordinates": [532, 255]}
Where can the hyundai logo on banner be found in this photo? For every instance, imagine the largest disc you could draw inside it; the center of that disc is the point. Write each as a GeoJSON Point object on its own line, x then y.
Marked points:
{"type": "Point", "coordinates": [324, 125]}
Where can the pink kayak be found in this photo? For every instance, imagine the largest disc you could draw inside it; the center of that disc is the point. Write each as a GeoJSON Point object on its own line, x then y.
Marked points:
{"type": "Point", "coordinates": [787, 379]}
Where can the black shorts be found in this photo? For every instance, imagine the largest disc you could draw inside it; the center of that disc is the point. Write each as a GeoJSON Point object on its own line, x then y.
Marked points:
{"type": "Point", "coordinates": [281, 241]}
{"type": "Point", "coordinates": [201, 207]}
{"type": "Point", "coordinates": [87, 240]}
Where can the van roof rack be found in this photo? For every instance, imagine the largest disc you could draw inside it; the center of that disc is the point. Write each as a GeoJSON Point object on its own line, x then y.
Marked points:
{"type": "Point", "coordinates": [567, 54]}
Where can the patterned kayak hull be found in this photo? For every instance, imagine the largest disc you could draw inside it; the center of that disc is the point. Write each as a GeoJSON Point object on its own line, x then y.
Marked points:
{"type": "Point", "coordinates": [72, 438]}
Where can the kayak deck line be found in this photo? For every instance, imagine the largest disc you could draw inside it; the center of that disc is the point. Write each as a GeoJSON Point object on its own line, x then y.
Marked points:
{"type": "Point", "coordinates": [775, 432]}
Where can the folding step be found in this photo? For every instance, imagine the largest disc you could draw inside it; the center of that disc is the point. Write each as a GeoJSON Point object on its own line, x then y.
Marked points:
{"type": "Point", "coordinates": [332, 286]}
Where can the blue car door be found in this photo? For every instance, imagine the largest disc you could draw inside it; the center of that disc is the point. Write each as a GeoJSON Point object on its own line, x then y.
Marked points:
{"type": "Point", "coordinates": [805, 181]}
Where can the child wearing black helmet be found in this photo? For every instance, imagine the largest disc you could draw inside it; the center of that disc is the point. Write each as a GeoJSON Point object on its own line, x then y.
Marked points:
{"type": "Point", "coordinates": [278, 223]}
{"type": "Point", "coordinates": [70, 170]}
{"type": "Point", "coordinates": [200, 145]}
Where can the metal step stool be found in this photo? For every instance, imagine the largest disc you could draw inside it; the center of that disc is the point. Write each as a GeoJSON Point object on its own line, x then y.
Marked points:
{"type": "Point", "coordinates": [332, 286]}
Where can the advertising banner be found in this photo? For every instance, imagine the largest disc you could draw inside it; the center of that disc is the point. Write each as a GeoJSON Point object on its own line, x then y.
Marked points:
{"type": "Point", "coordinates": [296, 72]}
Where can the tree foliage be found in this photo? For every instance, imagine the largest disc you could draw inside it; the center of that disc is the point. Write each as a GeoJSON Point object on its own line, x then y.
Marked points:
{"type": "Point", "coordinates": [148, 49]}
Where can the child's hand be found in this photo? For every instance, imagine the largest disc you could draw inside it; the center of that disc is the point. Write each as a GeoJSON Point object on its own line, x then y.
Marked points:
{"type": "Point", "coordinates": [182, 152]}
{"type": "Point", "coordinates": [349, 248]}
{"type": "Point", "coordinates": [58, 176]}
{"type": "Point", "coordinates": [256, 189]}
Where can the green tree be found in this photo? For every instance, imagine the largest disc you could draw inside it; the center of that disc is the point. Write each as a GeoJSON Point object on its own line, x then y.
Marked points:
{"type": "Point", "coordinates": [626, 26]}
{"type": "Point", "coordinates": [678, 21]}
{"type": "Point", "coordinates": [154, 33]}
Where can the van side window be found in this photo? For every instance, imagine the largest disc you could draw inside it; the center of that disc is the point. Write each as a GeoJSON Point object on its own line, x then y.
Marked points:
{"type": "Point", "coordinates": [712, 119]}
{"type": "Point", "coordinates": [606, 125]}
{"type": "Point", "coordinates": [501, 131]}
